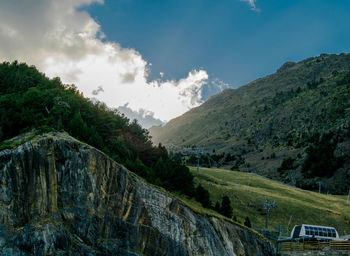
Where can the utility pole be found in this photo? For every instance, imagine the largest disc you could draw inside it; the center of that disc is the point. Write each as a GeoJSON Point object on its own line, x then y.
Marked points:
{"type": "Point", "coordinates": [280, 230]}
{"type": "Point", "coordinates": [290, 219]}
{"type": "Point", "coordinates": [268, 205]}
{"type": "Point", "coordinates": [319, 186]}
{"type": "Point", "coordinates": [198, 152]}
{"type": "Point", "coordinates": [198, 164]}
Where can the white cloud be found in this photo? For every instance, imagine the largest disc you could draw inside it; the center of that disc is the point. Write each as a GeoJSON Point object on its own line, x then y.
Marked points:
{"type": "Point", "coordinates": [252, 4]}
{"type": "Point", "coordinates": [98, 90]}
{"type": "Point", "coordinates": [144, 117]}
{"type": "Point", "coordinates": [215, 86]}
{"type": "Point", "coordinates": [62, 40]}
{"type": "Point", "coordinates": [33, 30]}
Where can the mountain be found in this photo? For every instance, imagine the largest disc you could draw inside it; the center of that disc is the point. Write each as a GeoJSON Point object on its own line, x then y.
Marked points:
{"type": "Point", "coordinates": [293, 125]}
{"type": "Point", "coordinates": [60, 196]}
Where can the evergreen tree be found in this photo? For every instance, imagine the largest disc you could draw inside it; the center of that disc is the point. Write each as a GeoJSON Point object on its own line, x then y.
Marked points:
{"type": "Point", "coordinates": [235, 218]}
{"type": "Point", "coordinates": [226, 208]}
{"type": "Point", "coordinates": [247, 222]}
{"type": "Point", "coordinates": [217, 206]}
{"type": "Point", "coordinates": [202, 196]}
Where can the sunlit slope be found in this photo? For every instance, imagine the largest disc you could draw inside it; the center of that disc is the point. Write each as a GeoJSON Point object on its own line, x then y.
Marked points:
{"type": "Point", "coordinates": [284, 108]}
{"type": "Point", "coordinates": [248, 191]}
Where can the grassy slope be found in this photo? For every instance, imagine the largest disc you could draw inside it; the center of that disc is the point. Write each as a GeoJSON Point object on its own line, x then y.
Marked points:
{"type": "Point", "coordinates": [304, 206]}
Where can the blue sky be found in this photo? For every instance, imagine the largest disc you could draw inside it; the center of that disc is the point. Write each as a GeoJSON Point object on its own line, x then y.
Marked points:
{"type": "Point", "coordinates": [227, 38]}
{"type": "Point", "coordinates": [156, 59]}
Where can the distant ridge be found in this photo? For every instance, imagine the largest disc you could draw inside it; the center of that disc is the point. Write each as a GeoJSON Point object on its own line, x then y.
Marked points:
{"type": "Point", "coordinates": [282, 115]}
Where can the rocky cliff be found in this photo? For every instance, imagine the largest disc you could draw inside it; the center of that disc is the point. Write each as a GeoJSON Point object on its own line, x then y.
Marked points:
{"type": "Point", "coordinates": [59, 196]}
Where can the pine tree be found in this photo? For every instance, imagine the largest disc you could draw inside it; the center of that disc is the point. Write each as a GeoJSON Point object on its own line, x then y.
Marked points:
{"type": "Point", "coordinates": [247, 222]}
{"type": "Point", "coordinates": [217, 206]}
{"type": "Point", "coordinates": [226, 208]}
{"type": "Point", "coordinates": [202, 196]}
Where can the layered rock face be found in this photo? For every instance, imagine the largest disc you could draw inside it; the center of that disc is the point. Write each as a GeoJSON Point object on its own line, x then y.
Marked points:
{"type": "Point", "coordinates": [59, 196]}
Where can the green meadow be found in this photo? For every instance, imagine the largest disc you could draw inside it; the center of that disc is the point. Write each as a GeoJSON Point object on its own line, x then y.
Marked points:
{"type": "Point", "coordinates": [295, 206]}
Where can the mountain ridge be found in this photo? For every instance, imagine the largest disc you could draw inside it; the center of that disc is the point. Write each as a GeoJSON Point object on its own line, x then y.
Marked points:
{"type": "Point", "coordinates": [280, 114]}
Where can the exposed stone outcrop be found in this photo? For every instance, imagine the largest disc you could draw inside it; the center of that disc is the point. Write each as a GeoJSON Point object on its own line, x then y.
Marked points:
{"type": "Point", "coordinates": [59, 196]}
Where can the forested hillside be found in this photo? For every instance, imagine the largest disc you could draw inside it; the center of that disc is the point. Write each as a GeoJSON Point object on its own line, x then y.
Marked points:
{"type": "Point", "coordinates": [293, 125]}
{"type": "Point", "coordinates": [29, 100]}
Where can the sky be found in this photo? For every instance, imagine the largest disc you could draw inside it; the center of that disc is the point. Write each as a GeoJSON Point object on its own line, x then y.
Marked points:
{"type": "Point", "coordinates": [156, 59]}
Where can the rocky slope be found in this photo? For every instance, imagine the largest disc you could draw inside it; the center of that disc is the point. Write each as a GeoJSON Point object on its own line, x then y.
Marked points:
{"type": "Point", "coordinates": [62, 197]}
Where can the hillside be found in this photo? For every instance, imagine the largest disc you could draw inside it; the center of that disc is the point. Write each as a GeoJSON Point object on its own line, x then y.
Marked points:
{"type": "Point", "coordinates": [247, 192]}
{"type": "Point", "coordinates": [60, 196]}
{"type": "Point", "coordinates": [31, 101]}
{"type": "Point", "coordinates": [273, 120]}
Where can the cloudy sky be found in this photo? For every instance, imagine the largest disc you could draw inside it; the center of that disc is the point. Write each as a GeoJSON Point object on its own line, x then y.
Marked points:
{"type": "Point", "coordinates": [156, 59]}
